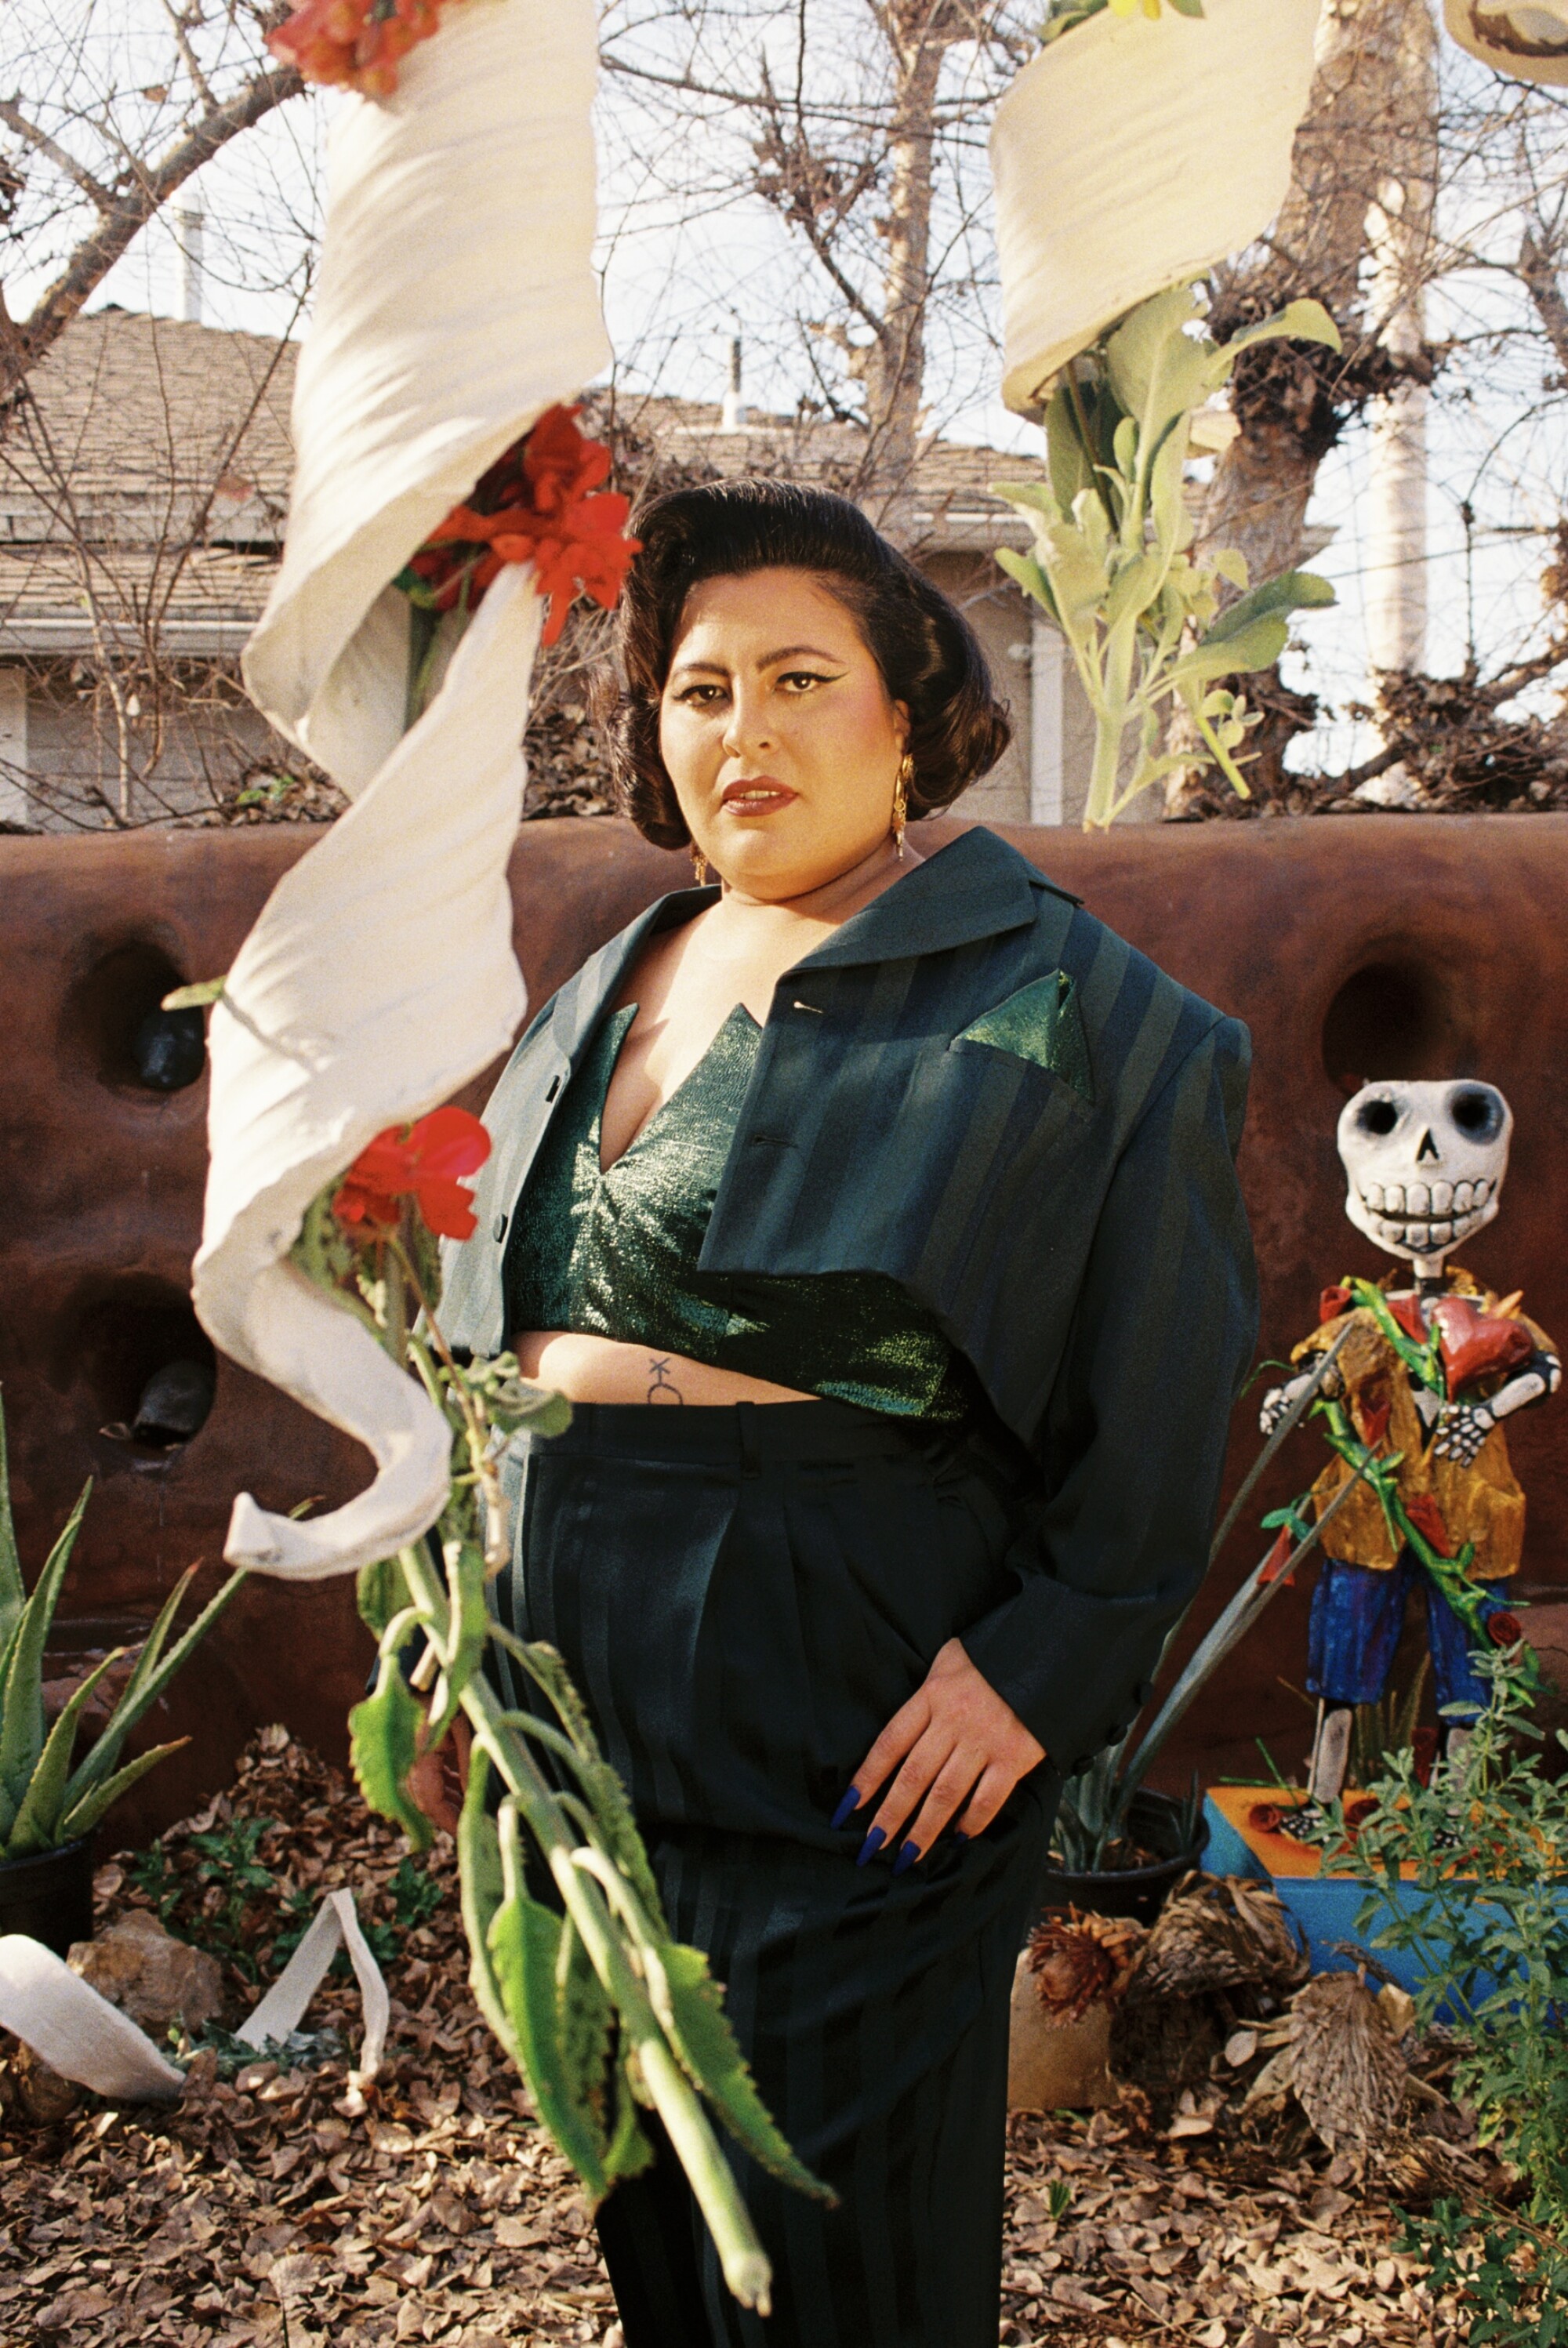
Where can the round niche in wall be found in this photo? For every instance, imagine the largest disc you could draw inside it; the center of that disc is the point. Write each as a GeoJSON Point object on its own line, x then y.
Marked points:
{"type": "Point", "coordinates": [1393, 1018]}
{"type": "Point", "coordinates": [117, 1029]}
{"type": "Point", "coordinates": [144, 1369]}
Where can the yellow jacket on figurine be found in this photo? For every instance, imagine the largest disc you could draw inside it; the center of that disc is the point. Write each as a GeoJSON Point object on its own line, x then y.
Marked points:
{"type": "Point", "coordinates": [1480, 1500]}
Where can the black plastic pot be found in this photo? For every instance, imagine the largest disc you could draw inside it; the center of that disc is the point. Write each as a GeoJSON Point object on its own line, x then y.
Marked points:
{"type": "Point", "coordinates": [49, 1896]}
{"type": "Point", "coordinates": [1156, 1822]}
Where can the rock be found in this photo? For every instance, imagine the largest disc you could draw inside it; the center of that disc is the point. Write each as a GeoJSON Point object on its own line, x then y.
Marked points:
{"type": "Point", "coordinates": [36, 2089]}
{"type": "Point", "coordinates": [1056, 2066]}
{"type": "Point", "coordinates": [155, 1979]}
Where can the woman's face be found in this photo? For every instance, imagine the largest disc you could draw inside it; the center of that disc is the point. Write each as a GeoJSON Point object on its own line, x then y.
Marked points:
{"type": "Point", "coordinates": [778, 732]}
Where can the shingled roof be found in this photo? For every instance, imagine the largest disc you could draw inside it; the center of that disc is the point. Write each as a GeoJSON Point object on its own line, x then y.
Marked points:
{"type": "Point", "coordinates": [144, 478]}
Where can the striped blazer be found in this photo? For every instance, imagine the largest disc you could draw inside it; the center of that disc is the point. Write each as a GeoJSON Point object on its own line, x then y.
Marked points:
{"type": "Point", "coordinates": [977, 1089]}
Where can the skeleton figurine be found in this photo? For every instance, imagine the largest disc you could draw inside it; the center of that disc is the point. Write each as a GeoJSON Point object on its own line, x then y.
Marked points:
{"type": "Point", "coordinates": [1415, 1399]}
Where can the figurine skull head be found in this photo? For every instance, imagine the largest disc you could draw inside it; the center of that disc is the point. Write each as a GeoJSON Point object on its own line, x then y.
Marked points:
{"type": "Point", "coordinates": [1426, 1163]}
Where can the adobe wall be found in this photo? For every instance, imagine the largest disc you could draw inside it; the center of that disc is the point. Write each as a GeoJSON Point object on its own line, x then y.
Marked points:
{"type": "Point", "coordinates": [1353, 946]}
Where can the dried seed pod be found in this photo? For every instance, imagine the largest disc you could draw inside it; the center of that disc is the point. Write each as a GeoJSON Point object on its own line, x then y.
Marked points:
{"type": "Point", "coordinates": [1346, 2069]}
{"type": "Point", "coordinates": [1219, 1933]}
{"type": "Point", "coordinates": [1082, 1961]}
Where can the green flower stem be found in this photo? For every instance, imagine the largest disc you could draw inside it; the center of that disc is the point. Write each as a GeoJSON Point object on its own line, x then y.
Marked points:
{"type": "Point", "coordinates": [747, 2271]}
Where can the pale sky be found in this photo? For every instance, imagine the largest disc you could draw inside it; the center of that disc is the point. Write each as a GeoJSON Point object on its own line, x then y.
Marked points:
{"type": "Point", "coordinates": [676, 290]}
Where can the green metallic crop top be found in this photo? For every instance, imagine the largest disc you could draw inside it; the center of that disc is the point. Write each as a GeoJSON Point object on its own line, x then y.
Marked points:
{"type": "Point", "coordinates": [615, 1253]}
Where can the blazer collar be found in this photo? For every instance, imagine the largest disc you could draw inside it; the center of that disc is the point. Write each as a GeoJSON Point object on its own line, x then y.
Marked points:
{"type": "Point", "coordinates": [976, 887]}
{"type": "Point", "coordinates": [583, 998]}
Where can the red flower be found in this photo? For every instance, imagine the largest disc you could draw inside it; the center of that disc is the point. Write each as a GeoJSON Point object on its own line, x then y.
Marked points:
{"type": "Point", "coordinates": [354, 43]}
{"type": "Point", "coordinates": [1359, 1809]}
{"type": "Point", "coordinates": [1265, 1818]}
{"type": "Point", "coordinates": [423, 1162]}
{"type": "Point", "coordinates": [1505, 1630]}
{"type": "Point", "coordinates": [1334, 1302]}
{"type": "Point", "coordinates": [540, 503]}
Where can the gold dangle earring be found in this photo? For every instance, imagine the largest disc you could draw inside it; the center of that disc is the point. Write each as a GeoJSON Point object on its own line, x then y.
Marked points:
{"type": "Point", "coordinates": [901, 802]}
{"type": "Point", "coordinates": [699, 865]}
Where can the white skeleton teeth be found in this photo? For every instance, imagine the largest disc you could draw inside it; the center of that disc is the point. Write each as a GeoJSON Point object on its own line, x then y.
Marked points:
{"type": "Point", "coordinates": [1425, 1162]}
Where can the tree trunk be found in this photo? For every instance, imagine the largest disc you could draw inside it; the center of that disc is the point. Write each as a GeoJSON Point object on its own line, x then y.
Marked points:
{"type": "Point", "coordinates": [1366, 149]}
{"type": "Point", "coordinates": [895, 364]}
{"type": "Point", "coordinates": [919, 34]}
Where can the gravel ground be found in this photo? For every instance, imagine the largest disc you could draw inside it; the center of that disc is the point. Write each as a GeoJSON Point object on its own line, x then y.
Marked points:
{"type": "Point", "coordinates": [265, 2209]}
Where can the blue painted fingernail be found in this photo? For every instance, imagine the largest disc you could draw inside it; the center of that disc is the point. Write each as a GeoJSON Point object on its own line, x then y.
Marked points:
{"type": "Point", "coordinates": [847, 1808]}
{"type": "Point", "coordinates": [906, 1858]}
{"type": "Point", "coordinates": [959, 1835]}
{"type": "Point", "coordinates": [871, 1845]}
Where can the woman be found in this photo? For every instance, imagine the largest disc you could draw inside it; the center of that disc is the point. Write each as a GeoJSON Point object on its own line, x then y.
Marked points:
{"type": "Point", "coordinates": [878, 1213]}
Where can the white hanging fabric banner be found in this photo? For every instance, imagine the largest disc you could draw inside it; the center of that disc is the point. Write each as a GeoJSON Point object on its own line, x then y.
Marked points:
{"type": "Point", "coordinates": [1133, 154]}
{"type": "Point", "coordinates": [82, 2036]}
{"type": "Point", "coordinates": [78, 2032]}
{"type": "Point", "coordinates": [335, 1925]}
{"type": "Point", "coordinates": [456, 303]}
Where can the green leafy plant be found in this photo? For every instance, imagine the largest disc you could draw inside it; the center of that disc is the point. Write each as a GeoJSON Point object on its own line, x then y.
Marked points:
{"type": "Point", "coordinates": [1511, 2277]}
{"type": "Point", "coordinates": [230, 1872]}
{"type": "Point", "coordinates": [416, 1895]}
{"type": "Point", "coordinates": [1062, 15]}
{"type": "Point", "coordinates": [1467, 1875]}
{"type": "Point", "coordinates": [573, 1962]}
{"type": "Point", "coordinates": [1113, 562]}
{"type": "Point", "coordinates": [45, 1800]}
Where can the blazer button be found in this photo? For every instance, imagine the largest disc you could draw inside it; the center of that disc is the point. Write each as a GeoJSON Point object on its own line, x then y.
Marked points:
{"type": "Point", "coordinates": [498, 1229]}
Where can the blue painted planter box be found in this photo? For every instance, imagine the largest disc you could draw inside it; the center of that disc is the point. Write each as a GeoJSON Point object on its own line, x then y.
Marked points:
{"type": "Point", "coordinates": [1324, 1906]}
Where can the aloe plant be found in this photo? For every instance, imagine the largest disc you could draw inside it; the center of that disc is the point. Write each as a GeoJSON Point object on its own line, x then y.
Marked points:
{"type": "Point", "coordinates": [45, 1800]}
{"type": "Point", "coordinates": [1114, 562]}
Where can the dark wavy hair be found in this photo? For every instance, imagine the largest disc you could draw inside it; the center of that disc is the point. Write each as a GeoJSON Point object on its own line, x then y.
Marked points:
{"type": "Point", "coordinates": [926, 650]}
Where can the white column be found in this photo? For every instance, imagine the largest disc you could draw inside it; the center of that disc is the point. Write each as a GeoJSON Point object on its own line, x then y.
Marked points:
{"type": "Point", "coordinates": [1397, 531]}
{"type": "Point", "coordinates": [1047, 653]}
{"type": "Point", "coordinates": [15, 804]}
{"type": "Point", "coordinates": [1397, 484]}
{"type": "Point", "coordinates": [190, 230]}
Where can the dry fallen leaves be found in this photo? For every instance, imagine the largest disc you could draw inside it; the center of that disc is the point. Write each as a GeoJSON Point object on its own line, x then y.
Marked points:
{"type": "Point", "coordinates": [259, 2212]}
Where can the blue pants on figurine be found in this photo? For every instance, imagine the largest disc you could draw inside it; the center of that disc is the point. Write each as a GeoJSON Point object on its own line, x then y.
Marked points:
{"type": "Point", "coordinates": [1357, 1614]}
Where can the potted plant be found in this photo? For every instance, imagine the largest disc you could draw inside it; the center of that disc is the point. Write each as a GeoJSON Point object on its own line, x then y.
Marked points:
{"type": "Point", "coordinates": [1120, 1848]}
{"type": "Point", "coordinates": [50, 1803]}
{"type": "Point", "coordinates": [1142, 145]}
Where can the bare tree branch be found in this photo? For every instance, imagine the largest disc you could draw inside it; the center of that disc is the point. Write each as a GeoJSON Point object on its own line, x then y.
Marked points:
{"type": "Point", "coordinates": [12, 115]}
{"type": "Point", "coordinates": [129, 212]}
{"type": "Point", "coordinates": [1538, 273]}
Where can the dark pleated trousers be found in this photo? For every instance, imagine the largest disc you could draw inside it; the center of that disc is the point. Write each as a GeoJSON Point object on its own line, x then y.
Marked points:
{"type": "Point", "coordinates": [745, 1596]}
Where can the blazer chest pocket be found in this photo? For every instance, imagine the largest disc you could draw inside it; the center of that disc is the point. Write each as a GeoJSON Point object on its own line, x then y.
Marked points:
{"type": "Point", "coordinates": [1042, 1026]}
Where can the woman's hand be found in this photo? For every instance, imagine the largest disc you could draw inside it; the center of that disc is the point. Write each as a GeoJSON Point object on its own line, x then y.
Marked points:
{"type": "Point", "coordinates": [958, 1751]}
